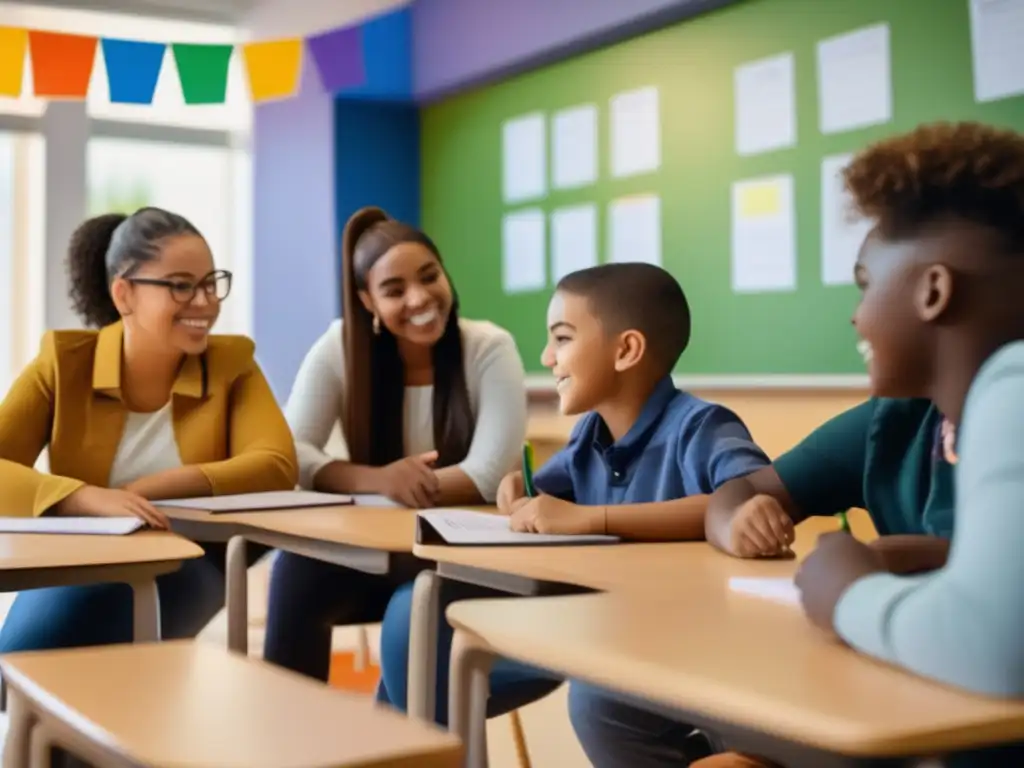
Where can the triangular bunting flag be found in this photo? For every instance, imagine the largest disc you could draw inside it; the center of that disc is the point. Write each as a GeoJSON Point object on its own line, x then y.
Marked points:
{"type": "Point", "coordinates": [273, 68]}
{"type": "Point", "coordinates": [133, 67]}
{"type": "Point", "coordinates": [203, 71]}
{"type": "Point", "coordinates": [13, 44]}
{"type": "Point", "coordinates": [339, 57]}
{"type": "Point", "coordinates": [61, 64]}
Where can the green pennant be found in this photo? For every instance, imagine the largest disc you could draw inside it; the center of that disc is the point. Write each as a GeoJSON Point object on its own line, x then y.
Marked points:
{"type": "Point", "coordinates": [203, 71]}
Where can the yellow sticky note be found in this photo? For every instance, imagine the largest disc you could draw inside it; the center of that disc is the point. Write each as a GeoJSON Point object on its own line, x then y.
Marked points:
{"type": "Point", "coordinates": [763, 199]}
{"type": "Point", "coordinates": [13, 44]}
{"type": "Point", "coordinates": [273, 68]}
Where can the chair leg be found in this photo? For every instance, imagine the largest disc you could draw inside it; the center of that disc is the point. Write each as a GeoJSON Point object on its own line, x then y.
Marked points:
{"type": "Point", "coordinates": [519, 739]}
{"type": "Point", "coordinates": [362, 657]}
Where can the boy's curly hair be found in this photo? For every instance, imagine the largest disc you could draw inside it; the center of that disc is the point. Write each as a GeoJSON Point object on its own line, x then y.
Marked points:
{"type": "Point", "coordinates": [945, 170]}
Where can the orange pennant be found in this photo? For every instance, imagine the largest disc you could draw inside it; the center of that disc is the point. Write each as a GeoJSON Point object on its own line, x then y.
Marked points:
{"type": "Point", "coordinates": [61, 64]}
{"type": "Point", "coordinates": [13, 43]}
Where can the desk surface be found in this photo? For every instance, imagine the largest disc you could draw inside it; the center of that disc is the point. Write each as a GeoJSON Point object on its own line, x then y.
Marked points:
{"type": "Point", "coordinates": [617, 567]}
{"type": "Point", "coordinates": [193, 705]}
{"type": "Point", "coordinates": [741, 660]}
{"type": "Point", "coordinates": [34, 551]}
{"type": "Point", "coordinates": [382, 528]}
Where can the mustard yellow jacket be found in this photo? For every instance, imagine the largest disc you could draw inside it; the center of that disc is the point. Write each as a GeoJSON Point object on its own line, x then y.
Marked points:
{"type": "Point", "coordinates": [226, 420]}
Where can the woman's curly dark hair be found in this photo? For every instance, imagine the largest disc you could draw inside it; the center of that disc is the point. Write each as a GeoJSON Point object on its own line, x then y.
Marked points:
{"type": "Point", "coordinates": [964, 171]}
{"type": "Point", "coordinates": [114, 245]}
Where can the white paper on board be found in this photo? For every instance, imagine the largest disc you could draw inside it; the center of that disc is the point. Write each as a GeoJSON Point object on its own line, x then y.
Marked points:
{"type": "Point", "coordinates": [765, 96]}
{"type": "Point", "coordinates": [854, 80]}
{"type": "Point", "coordinates": [574, 147]}
{"type": "Point", "coordinates": [635, 132]}
{"type": "Point", "coordinates": [522, 251]}
{"type": "Point", "coordinates": [634, 229]}
{"type": "Point", "coordinates": [763, 235]}
{"type": "Point", "coordinates": [573, 239]}
{"type": "Point", "coordinates": [524, 159]}
{"type": "Point", "coordinates": [842, 233]}
{"type": "Point", "coordinates": [997, 43]}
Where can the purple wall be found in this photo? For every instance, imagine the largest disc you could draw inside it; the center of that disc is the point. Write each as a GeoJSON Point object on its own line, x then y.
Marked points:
{"type": "Point", "coordinates": [499, 38]}
{"type": "Point", "coordinates": [295, 293]}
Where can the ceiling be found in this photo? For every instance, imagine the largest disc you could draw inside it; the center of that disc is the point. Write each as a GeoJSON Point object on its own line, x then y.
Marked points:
{"type": "Point", "coordinates": [222, 11]}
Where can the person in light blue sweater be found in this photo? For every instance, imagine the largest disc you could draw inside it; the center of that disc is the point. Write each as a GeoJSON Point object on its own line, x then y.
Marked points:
{"type": "Point", "coordinates": [941, 318]}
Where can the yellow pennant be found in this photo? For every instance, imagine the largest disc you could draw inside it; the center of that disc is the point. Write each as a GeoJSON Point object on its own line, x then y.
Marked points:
{"type": "Point", "coordinates": [13, 44]}
{"type": "Point", "coordinates": [273, 68]}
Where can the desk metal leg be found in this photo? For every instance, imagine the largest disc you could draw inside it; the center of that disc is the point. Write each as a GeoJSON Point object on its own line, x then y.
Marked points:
{"type": "Point", "coordinates": [41, 748]}
{"type": "Point", "coordinates": [423, 630]}
{"type": "Point", "coordinates": [19, 731]}
{"type": "Point", "coordinates": [146, 611]}
{"type": "Point", "coordinates": [237, 596]}
{"type": "Point", "coordinates": [469, 687]}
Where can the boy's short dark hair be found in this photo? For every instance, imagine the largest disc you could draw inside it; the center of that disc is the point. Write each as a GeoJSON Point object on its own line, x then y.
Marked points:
{"type": "Point", "coordinates": [637, 296]}
{"type": "Point", "coordinates": [967, 171]}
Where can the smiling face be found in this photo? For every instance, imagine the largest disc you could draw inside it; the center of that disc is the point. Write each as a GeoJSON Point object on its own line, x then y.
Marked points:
{"type": "Point", "coordinates": [409, 292]}
{"type": "Point", "coordinates": [582, 356]}
{"type": "Point", "coordinates": [156, 299]}
{"type": "Point", "coordinates": [905, 287]}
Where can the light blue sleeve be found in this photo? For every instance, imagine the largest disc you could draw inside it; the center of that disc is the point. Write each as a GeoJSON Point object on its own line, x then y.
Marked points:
{"type": "Point", "coordinates": [963, 624]}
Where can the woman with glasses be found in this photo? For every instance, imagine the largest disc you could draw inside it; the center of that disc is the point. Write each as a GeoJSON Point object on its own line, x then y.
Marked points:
{"type": "Point", "coordinates": [148, 406]}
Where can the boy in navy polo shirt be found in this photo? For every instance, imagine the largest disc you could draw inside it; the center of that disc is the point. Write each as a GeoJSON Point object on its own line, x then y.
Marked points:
{"type": "Point", "coordinates": [639, 463]}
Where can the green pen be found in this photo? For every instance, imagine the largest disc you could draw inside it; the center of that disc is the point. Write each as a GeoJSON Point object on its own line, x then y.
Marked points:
{"type": "Point", "coordinates": [531, 491]}
{"type": "Point", "coordinates": [844, 523]}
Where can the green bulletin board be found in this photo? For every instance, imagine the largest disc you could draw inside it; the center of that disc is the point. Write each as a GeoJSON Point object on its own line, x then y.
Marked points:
{"type": "Point", "coordinates": [801, 332]}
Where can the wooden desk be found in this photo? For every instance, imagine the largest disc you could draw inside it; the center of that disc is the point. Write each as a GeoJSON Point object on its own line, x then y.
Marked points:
{"type": "Point", "coordinates": [531, 571]}
{"type": "Point", "coordinates": [192, 705]}
{"type": "Point", "coordinates": [30, 561]}
{"type": "Point", "coordinates": [366, 539]}
{"type": "Point", "coordinates": [728, 662]}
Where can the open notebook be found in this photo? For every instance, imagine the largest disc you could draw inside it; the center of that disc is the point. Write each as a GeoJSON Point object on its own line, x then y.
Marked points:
{"type": "Point", "coordinates": [96, 526]}
{"type": "Point", "coordinates": [468, 528]}
{"type": "Point", "coordinates": [259, 502]}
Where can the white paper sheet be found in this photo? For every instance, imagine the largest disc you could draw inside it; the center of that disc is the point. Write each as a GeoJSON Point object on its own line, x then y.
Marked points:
{"type": "Point", "coordinates": [573, 239]}
{"type": "Point", "coordinates": [373, 500]}
{"type": "Point", "coordinates": [523, 266]}
{"type": "Point", "coordinates": [96, 526]}
{"type": "Point", "coordinates": [634, 229]}
{"type": "Point", "coordinates": [776, 590]}
{"type": "Point", "coordinates": [463, 526]}
{"type": "Point", "coordinates": [997, 41]}
{"type": "Point", "coordinates": [574, 147]}
{"type": "Point", "coordinates": [841, 232]}
{"type": "Point", "coordinates": [254, 502]}
{"type": "Point", "coordinates": [854, 80]}
{"type": "Point", "coordinates": [524, 158]}
{"type": "Point", "coordinates": [765, 96]}
{"type": "Point", "coordinates": [636, 132]}
{"type": "Point", "coordinates": [763, 235]}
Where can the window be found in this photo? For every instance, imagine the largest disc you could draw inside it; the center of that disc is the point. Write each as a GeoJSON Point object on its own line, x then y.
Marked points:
{"type": "Point", "coordinates": [199, 182]}
{"type": "Point", "coordinates": [22, 266]}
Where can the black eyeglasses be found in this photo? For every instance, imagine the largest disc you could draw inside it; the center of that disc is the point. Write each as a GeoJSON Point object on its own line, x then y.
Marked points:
{"type": "Point", "coordinates": [215, 286]}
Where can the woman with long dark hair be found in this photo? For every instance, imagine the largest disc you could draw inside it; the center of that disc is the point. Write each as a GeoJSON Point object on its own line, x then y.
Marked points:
{"type": "Point", "coordinates": [432, 410]}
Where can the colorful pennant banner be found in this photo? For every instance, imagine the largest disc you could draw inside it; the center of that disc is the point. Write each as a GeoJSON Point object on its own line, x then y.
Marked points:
{"type": "Point", "coordinates": [62, 64]}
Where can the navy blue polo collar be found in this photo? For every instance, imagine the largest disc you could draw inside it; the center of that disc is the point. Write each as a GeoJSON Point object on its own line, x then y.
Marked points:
{"type": "Point", "coordinates": [621, 454]}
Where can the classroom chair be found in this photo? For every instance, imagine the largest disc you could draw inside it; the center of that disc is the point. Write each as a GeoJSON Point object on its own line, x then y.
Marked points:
{"type": "Point", "coordinates": [194, 705]}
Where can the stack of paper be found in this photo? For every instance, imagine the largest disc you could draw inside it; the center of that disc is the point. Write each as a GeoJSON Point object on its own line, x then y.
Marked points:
{"type": "Point", "coordinates": [259, 502]}
{"type": "Point", "coordinates": [101, 526]}
{"type": "Point", "coordinates": [777, 590]}
{"type": "Point", "coordinates": [463, 526]}
{"type": "Point", "coordinates": [373, 500]}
